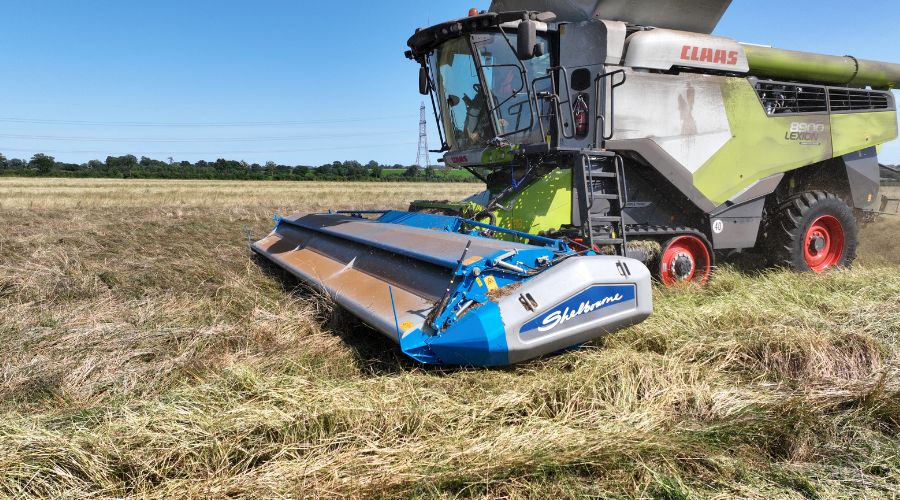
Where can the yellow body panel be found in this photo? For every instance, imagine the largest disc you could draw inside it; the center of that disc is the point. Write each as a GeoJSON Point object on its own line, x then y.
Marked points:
{"type": "Point", "coordinates": [761, 145]}
{"type": "Point", "coordinates": [854, 131]}
{"type": "Point", "coordinates": [543, 206]}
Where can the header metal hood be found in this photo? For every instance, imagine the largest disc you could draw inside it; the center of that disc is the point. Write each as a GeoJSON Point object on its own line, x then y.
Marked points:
{"type": "Point", "coordinates": [698, 16]}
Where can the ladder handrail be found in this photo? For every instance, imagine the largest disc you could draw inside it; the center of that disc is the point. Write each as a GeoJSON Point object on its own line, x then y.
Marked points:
{"type": "Point", "coordinates": [589, 181]}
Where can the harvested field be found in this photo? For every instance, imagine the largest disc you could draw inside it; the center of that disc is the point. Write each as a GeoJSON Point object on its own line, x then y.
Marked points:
{"type": "Point", "coordinates": [145, 354]}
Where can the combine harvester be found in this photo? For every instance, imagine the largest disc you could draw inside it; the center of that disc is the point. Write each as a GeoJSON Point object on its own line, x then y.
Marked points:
{"type": "Point", "coordinates": [612, 136]}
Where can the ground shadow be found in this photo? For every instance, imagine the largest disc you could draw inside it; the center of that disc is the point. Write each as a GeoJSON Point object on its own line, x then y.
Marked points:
{"type": "Point", "coordinates": [373, 353]}
{"type": "Point", "coordinates": [749, 262]}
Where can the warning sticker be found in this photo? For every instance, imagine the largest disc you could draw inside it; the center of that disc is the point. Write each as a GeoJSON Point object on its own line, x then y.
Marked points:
{"type": "Point", "coordinates": [406, 325]}
{"type": "Point", "coordinates": [491, 283]}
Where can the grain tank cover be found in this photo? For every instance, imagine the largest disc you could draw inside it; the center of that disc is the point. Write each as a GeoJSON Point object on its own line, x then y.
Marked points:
{"type": "Point", "coordinates": [699, 16]}
{"type": "Point", "coordinates": [666, 49]}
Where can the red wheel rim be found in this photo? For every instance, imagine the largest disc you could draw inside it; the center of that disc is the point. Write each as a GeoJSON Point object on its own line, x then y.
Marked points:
{"type": "Point", "coordinates": [823, 246]}
{"type": "Point", "coordinates": [686, 259]}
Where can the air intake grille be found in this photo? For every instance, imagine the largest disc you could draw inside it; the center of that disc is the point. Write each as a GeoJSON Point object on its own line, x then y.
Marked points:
{"type": "Point", "coordinates": [780, 99]}
{"type": "Point", "coordinates": [791, 98]}
{"type": "Point", "coordinates": [858, 100]}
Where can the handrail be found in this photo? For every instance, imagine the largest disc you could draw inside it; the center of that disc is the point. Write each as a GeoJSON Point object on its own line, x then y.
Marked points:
{"type": "Point", "coordinates": [588, 180]}
{"type": "Point", "coordinates": [557, 245]}
{"type": "Point", "coordinates": [557, 100]}
{"type": "Point", "coordinates": [600, 136]}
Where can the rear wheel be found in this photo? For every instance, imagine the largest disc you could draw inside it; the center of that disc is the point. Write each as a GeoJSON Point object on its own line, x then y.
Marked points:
{"type": "Point", "coordinates": [814, 232]}
{"type": "Point", "coordinates": [685, 259]}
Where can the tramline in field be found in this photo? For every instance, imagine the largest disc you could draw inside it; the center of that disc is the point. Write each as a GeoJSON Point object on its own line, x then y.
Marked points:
{"type": "Point", "coordinates": [613, 137]}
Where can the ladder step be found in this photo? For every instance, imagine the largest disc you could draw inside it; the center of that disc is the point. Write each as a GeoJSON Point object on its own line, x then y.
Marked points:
{"type": "Point", "coordinates": [605, 196]}
{"type": "Point", "coordinates": [603, 175]}
{"type": "Point", "coordinates": [595, 218]}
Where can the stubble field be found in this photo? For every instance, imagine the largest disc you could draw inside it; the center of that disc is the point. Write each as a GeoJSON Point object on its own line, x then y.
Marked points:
{"type": "Point", "coordinates": [145, 354]}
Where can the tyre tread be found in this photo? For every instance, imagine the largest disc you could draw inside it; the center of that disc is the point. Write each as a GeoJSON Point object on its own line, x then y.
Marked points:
{"type": "Point", "coordinates": [792, 218]}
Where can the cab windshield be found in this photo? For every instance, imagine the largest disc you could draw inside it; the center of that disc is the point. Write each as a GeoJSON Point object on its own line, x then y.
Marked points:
{"type": "Point", "coordinates": [473, 114]}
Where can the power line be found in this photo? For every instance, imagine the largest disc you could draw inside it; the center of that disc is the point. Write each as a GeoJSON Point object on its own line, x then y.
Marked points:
{"type": "Point", "coordinates": [268, 151]}
{"type": "Point", "coordinates": [197, 124]}
{"type": "Point", "coordinates": [187, 139]}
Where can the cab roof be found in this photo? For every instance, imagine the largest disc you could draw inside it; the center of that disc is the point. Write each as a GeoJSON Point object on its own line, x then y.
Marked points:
{"type": "Point", "coordinates": [698, 16]}
{"type": "Point", "coordinates": [427, 39]}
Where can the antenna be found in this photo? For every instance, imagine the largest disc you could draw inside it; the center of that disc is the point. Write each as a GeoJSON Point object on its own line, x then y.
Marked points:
{"type": "Point", "coordinates": [423, 159]}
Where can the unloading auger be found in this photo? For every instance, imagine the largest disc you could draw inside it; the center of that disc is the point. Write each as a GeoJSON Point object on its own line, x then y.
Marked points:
{"type": "Point", "coordinates": [613, 136]}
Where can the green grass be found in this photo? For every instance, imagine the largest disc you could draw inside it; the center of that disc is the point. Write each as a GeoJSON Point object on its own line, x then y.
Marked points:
{"type": "Point", "coordinates": [145, 354]}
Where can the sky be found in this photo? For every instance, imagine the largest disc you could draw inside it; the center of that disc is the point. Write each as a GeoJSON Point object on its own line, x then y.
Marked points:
{"type": "Point", "coordinates": [295, 82]}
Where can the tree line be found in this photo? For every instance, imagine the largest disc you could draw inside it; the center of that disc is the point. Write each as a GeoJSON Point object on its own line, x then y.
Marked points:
{"type": "Point", "coordinates": [891, 175]}
{"type": "Point", "coordinates": [132, 167]}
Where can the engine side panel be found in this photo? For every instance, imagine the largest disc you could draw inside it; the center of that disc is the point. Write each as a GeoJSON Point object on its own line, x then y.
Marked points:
{"type": "Point", "coordinates": [761, 145]}
{"type": "Point", "coordinates": [682, 114]}
{"type": "Point", "coordinates": [719, 140]}
{"type": "Point", "coordinates": [855, 131]}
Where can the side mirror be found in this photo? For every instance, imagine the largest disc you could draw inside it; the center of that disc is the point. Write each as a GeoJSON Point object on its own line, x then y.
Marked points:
{"type": "Point", "coordinates": [527, 39]}
{"type": "Point", "coordinates": [424, 85]}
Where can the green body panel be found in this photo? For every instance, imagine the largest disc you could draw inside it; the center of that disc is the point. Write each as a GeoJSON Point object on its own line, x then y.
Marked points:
{"type": "Point", "coordinates": [854, 131]}
{"type": "Point", "coordinates": [493, 156]}
{"type": "Point", "coordinates": [761, 146]}
{"type": "Point", "coordinates": [545, 205]}
{"type": "Point", "coordinates": [484, 156]}
{"type": "Point", "coordinates": [542, 206]}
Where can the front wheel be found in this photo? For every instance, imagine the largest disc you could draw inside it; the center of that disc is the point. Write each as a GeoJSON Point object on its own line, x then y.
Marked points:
{"type": "Point", "coordinates": [685, 259]}
{"type": "Point", "coordinates": [814, 232]}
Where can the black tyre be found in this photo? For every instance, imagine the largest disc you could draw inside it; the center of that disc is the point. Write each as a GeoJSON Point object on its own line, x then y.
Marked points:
{"type": "Point", "coordinates": [813, 232]}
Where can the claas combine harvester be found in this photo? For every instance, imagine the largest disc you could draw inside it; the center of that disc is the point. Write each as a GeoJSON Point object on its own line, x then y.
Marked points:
{"type": "Point", "coordinates": [614, 137]}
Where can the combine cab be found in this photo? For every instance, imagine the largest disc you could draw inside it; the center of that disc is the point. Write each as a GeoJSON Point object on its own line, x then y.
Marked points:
{"type": "Point", "coordinates": [612, 136]}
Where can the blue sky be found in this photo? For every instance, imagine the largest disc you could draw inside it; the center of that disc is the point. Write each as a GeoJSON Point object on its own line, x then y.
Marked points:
{"type": "Point", "coordinates": [296, 82]}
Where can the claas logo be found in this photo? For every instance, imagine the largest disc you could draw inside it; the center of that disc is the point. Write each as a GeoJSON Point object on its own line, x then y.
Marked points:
{"type": "Point", "coordinates": [708, 55]}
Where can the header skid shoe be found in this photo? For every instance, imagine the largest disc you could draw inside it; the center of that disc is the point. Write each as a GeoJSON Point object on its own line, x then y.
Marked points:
{"type": "Point", "coordinates": [450, 295]}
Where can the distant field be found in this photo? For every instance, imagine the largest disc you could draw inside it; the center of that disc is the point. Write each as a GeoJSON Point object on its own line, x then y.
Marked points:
{"type": "Point", "coordinates": [146, 355]}
{"type": "Point", "coordinates": [230, 195]}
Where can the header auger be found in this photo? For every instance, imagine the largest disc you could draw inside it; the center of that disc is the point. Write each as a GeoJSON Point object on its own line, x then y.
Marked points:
{"type": "Point", "coordinates": [613, 136]}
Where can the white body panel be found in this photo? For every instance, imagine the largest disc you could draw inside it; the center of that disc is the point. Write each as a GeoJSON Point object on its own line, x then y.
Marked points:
{"type": "Point", "coordinates": [683, 114]}
{"type": "Point", "coordinates": [666, 49]}
{"type": "Point", "coordinates": [565, 281]}
{"type": "Point", "coordinates": [616, 33]}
